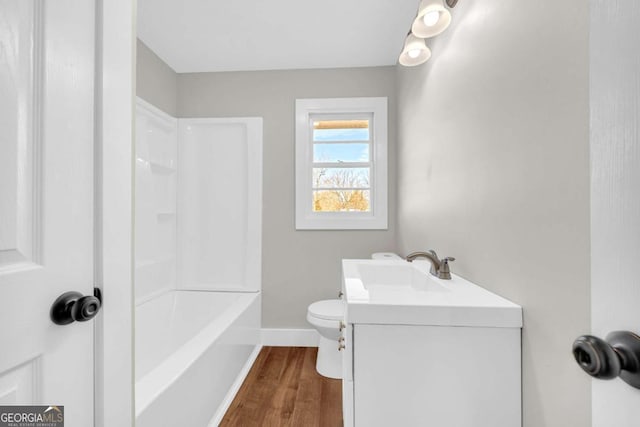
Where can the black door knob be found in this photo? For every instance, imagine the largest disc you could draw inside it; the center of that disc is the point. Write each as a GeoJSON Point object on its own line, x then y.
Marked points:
{"type": "Point", "coordinates": [619, 356]}
{"type": "Point", "coordinates": [596, 357]}
{"type": "Point", "coordinates": [72, 306]}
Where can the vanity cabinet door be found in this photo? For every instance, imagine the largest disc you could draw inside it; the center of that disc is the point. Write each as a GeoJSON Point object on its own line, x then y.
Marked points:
{"type": "Point", "coordinates": [434, 375]}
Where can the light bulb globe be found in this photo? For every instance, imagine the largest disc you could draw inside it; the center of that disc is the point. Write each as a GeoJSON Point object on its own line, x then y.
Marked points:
{"type": "Point", "coordinates": [431, 18]}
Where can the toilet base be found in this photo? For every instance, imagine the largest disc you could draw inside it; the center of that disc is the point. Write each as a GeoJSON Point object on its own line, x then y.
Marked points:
{"type": "Point", "coordinates": [329, 361]}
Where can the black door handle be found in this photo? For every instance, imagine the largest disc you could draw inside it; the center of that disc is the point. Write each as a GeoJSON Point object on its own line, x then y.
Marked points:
{"type": "Point", "coordinates": [72, 306]}
{"type": "Point", "coordinates": [619, 356]}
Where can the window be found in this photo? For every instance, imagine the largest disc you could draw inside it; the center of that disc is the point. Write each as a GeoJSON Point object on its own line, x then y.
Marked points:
{"type": "Point", "coordinates": [341, 163]}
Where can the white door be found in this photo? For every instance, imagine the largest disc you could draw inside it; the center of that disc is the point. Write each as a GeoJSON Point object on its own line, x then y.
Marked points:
{"type": "Point", "coordinates": [46, 202]}
{"type": "Point", "coordinates": [615, 192]}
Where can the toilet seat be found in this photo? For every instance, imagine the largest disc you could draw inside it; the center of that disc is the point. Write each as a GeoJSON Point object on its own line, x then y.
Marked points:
{"type": "Point", "coordinates": [331, 309]}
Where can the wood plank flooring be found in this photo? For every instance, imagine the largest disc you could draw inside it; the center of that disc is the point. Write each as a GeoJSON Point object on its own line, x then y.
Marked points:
{"type": "Point", "coordinates": [284, 389]}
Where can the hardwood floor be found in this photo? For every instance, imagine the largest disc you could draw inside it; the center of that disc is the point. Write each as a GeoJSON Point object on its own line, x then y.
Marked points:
{"type": "Point", "coordinates": [284, 389]}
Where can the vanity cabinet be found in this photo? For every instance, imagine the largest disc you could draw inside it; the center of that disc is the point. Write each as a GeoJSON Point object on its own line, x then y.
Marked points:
{"type": "Point", "coordinates": [417, 375]}
{"type": "Point", "coordinates": [421, 351]}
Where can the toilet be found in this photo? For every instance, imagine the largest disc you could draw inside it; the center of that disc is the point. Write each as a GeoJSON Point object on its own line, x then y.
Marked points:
{"type": "Point", "coordinates": [326, 316]}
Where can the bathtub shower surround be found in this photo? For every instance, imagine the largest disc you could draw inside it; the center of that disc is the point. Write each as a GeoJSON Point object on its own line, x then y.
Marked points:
{"type": "Point", "coordinates": [198, 264]}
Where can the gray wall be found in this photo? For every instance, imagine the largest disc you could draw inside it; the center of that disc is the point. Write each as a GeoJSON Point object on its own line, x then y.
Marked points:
{"type": "Point", "coordinates": [299, 267]}
{"type": "Point", "coordinates": [493, 168]}
{"type": "Point", "coordinates": [156, 82]}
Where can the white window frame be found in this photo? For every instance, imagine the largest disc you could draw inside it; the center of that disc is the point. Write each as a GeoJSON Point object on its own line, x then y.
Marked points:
{"type": "Point", "coordinates": [376, 218]}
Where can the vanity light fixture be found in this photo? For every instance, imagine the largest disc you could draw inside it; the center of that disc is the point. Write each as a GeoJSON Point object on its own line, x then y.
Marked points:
{"type": "Point", "coordinates": [415, 51]}
{"type": "Point", "coordinates": [433, 18]}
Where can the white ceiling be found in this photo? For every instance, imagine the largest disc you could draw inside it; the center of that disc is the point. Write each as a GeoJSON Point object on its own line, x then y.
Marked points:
{"type": "Point", "coordinates": [228, 35]}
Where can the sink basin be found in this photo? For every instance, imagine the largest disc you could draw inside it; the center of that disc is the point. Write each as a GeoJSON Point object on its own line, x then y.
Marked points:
{"type": "Point", "coordinates": [380, 279]}
{"type": "Point", "coordinates": [398, 292]}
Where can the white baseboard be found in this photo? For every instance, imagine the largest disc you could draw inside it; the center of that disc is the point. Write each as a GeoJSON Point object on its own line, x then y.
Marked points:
{"type": "Point", "coordinates": [290, 337]}
{"type": "Point", "coordinates": [231, 394]}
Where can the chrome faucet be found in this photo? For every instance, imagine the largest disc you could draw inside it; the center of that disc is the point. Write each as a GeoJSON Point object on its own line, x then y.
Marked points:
{"type": "Point", "coordinates": [439, 267]}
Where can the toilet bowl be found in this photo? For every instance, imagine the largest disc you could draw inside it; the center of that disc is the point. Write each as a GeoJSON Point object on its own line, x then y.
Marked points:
{"type": "Point", "coordinates": [326, 316]}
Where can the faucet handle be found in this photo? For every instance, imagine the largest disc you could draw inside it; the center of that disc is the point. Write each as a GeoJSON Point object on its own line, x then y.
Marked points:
{"type": "Point", "coordinates": [444, 272]}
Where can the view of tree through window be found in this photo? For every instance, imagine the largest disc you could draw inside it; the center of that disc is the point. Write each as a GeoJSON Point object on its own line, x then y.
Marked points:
{"type": "Point", "coordinates": [341, 165]}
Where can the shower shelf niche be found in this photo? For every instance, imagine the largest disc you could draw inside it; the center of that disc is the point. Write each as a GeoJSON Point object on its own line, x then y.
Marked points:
{"type": "Point", "coordinates": [161, 169]}
{"type": "Point", "coordinates": [147, 263]}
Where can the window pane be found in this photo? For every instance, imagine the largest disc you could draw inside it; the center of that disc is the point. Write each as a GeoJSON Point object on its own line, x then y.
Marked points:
{"type": "Point", "coordinates": [340, 177]}
{"type": "Point", "coordinates": [340, 130]}
{"type": "Point", "coordinates": [341, 201]}
{"type": "Point", "coordinates": [328, 153]}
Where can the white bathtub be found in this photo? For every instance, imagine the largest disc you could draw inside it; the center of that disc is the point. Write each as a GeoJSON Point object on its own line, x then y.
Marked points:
{"type": "Point", "coordinates": [193, 349]}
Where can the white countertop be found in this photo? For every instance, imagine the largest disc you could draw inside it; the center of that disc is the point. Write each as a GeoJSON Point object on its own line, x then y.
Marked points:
{"type": "Point", "coordinates": [398, 292]}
